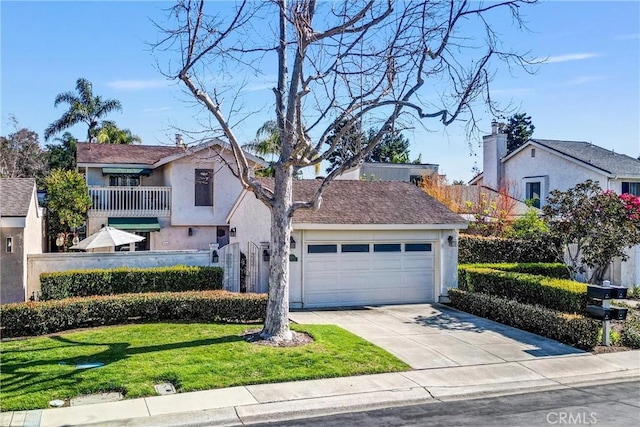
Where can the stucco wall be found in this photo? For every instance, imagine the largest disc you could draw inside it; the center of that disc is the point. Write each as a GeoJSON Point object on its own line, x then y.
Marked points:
{"type": "Point", "coordinates": [12, 266]}
{"type": "Point", "coordinates": [226, 189]}
{"type": "Point", "coordinates": [41, 263]}
{"type": "Point", "coordinates": [561, 173]}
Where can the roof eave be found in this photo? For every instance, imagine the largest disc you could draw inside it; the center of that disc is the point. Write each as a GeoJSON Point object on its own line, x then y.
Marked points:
{"type": "Point", "coordinates": [338, 226]}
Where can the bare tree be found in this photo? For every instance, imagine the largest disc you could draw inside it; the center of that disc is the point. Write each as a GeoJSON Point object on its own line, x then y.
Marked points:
{"type": "Point", "coordinates": [338, 64]}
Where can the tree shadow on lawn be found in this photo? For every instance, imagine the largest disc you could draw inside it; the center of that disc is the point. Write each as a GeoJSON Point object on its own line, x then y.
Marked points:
{"type": "Point", "coordinates": [21, 375]}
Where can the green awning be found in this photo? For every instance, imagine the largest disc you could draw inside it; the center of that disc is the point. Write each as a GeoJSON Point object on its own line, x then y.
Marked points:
{"type": "Point", "coordinates": [126, 171]}
{"type": "Point", "coordinates": [135, 224]}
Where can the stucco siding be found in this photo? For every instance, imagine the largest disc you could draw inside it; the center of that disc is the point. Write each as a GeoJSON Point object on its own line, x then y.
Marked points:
{"type": "Point", "coordinates": [559, 173]}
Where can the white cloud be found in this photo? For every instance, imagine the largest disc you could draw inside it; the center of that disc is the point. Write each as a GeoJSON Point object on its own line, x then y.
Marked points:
{"type": "Point", "coordinates": [138, 84]}
{"type": "Point", "coordinates": [633, 36]}
{"type": "Point", "coordinates": [583, 80]}
{"type": "Point", "coordinates": [155, 109]}
{"type": "Point", "coordinates": [569, 57]}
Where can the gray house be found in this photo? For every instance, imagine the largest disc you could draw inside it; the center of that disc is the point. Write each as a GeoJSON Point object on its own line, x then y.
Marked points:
{"type": "Point", "coordinates": [21, 233]}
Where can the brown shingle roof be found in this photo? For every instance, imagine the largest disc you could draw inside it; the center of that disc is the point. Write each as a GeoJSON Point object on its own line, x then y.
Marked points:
{"type": "Point", "coordinates": [369, 202]}
{"type": "Point", "coordinates": [124, 154]}
{"type": "Point", "coordinates": [15, 196]}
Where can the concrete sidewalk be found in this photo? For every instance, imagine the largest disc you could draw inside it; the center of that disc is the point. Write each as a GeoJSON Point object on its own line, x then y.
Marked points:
{"type": "Point", "coordinates": [301, 399]}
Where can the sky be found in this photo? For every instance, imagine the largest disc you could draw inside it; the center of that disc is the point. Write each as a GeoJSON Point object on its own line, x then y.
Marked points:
{"type": "Point", "coordinates": [587, 90]}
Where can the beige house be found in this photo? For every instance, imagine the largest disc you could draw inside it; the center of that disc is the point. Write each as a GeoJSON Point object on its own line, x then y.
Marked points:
{"type": "Point", "coordinates": [541, 165]}
{"type": "Point", "coordinates": [176, 197]}
{"type": "Point", "coordinates": [370, 242]}
{"type": "Point", "coordinates": [21, 233]}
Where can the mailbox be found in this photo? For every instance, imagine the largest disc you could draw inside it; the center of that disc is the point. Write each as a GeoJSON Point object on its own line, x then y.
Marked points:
{"type": "Point", "coordinates": [602, 313]}
{"type": "Point", "coordinates": [606, 292]}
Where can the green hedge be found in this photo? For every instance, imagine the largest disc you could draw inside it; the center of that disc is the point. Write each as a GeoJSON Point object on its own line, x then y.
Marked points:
{"type": "Point", "coordinates": [556, 270]}
{"type": "Point", "coordinates": [574, 330]}
{"type": "Point", "coordinates": [44, 317]}
{"type": "Point", "coordinates": [478, 249]}
{"type": "Point", "coordinates": [82, 283]}
{"type": "Point", "coordinates": [557, 294]}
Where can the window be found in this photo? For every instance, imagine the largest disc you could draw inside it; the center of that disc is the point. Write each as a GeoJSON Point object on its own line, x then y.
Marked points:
{"type": "Point", "coordinates": [631, 188]}
{"type": "Point", "coordinates": [533, 193]}
{"type": "Point", "coordinates": [9, 247]}
{"type": "Point", "coordinates": [322, 249]}
{"type": "Point", "coordinates": [417, 247]}
{"type": "Point", "coordinates": [204, 187]}
{"type": "Point", "coordinates": [533, 152]}
{"type": "Point", "coordinates": [124, 180]}
{"type": "Point", "coordinates": [387, 247]}
{"type": "Point", "coordinates": [355, 248]}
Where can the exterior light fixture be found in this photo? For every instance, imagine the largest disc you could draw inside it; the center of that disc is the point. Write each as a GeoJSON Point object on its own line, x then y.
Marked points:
{"type": "Point", "coordinates": [232, 232]}
{"type": "Point", "coordinates": [214, 257]}
{"type": "Point", "coordinates": [265, 255]}
{"type": "Point", "coordinates": [451, 241]}
{"type": "Point", "coordinates": [292, 241]}
{"type": "Point", "coordinates": [190, 231]}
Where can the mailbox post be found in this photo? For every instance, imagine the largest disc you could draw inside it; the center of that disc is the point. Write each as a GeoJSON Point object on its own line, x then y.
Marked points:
{"type": "Point", "coordinates": [605, 312]}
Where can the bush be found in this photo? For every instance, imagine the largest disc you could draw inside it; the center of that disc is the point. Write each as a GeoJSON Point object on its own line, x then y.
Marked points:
{"type": "Point", "coordinates": [81, 283]}
{"type": "Point", "coordinates": [557, 294]}
{"type": "Point", "coordinates": [573, 330]}
{"type": "Point", "coordinates": [44, 317]}
{"type": "Point", "coordinates": [630, 335]}
{"type": "Point", "coordinates": [556, 270]}
{"type": "Point", "coordinates": [476, 249]}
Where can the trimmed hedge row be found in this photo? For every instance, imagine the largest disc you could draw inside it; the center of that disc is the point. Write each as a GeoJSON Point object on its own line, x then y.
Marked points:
{"type": "Point", "coordinates": [556, 270]}
{"type": "Point", "coordinates": [45, 317]}
{"type": "Point", "coordinates": [576, 331]}
{"type": "Point", "coordinates": [82, 283]}
{"type": "Point", "coordinates": [557, 294]}
{"type": "Point", "coordinates": [478, 249]}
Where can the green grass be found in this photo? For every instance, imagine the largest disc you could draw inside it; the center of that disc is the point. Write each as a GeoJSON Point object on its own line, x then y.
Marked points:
{"type": "Point", "coordinates": [194, 356]}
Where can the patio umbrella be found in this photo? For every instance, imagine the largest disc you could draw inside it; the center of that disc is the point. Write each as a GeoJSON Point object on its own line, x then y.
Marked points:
{"type": "Point", "coordinates": [107, 237]}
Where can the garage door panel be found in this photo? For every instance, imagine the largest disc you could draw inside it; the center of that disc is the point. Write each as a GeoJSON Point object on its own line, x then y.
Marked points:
{"type": "Point", "coordinates": [364, 278]}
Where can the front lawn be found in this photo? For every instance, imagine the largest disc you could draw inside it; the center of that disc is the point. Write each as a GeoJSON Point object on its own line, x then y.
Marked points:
{"type": "Point", "coordinates": [194, 356]}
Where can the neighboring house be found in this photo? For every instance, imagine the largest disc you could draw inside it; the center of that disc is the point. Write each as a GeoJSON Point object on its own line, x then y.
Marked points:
{"type": "Point", "coordinates": [21, 233]}
{"type": "Point", "coordinates": [405, 172]}
{"type": "Point", "coordinates": [174, 196]}
{"type": "Point", "coordinates": [540, 165]}
{"type": "Point", "coordinates": [370, 242]}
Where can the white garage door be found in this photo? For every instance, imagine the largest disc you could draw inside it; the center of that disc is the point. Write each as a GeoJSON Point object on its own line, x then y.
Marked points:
{"type": "Point", "coordinates": [347, 274]}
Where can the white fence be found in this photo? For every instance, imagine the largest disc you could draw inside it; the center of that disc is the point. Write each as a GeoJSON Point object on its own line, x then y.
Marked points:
{"type": "Point", "coordinates": [49, 262]}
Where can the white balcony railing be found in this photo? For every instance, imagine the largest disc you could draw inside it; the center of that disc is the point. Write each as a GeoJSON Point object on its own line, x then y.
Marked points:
{"type": "Point", "coordinates": [130, 201]}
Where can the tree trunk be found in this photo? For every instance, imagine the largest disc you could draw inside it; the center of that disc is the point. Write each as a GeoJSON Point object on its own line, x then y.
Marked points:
{"type": "Point", "coordinates": [276, 325]}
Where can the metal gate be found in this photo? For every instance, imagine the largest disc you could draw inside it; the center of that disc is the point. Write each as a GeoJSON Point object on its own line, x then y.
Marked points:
{"type": "Point", "coordinates": [230, 261]}
{"type": "Point", "coordinates": [253, 262]}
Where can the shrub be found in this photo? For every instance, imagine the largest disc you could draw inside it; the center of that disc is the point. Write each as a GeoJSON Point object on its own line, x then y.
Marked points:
{"type": "Point", "coordinates": [44, 317]}
{"type": "Point", "coordinates": [556, 270]}
{"type": "Point", "coordinates": [476, 249]}
{"type": "Point", "coordinates": [630, 335]}
{"type": "Point", "coordinates": [574, 330]}
{"type": "Point", "coordinates": [80, 283]}
{"type": "Point", "coordinates": [558, 294]}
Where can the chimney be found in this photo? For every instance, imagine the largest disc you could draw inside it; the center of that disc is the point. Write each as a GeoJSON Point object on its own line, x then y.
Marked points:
{"type": "Point", "coordinates": [179, 141]}
{"type": "Point", "coordinates": [494, 148]}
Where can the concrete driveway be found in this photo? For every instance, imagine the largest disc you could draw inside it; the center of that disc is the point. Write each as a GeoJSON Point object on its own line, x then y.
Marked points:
{"type": "Point", "coordinates": [434, 336]}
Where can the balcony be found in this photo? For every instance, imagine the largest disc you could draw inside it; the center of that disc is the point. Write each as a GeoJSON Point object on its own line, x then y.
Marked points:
{"type": "Point", "coordinates": [130, 201]}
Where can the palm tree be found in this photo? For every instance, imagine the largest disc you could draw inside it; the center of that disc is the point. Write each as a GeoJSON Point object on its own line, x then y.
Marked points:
{"type": "Point", "coordinates": [109, 133]}
{"type": "Point", "coordinates": [267, 142]}
{"type": "Point", "coordinates": [84, 107]}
